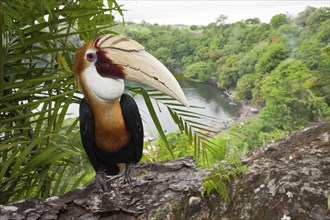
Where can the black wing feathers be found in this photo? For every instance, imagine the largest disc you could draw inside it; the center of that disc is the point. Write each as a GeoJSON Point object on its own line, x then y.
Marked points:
{"type": "Point", "coordinates": [133, 123]}
{"type": "Point", "coordinates": [130, 153]}
{"type": "Point", "coordinates": [87, 123]}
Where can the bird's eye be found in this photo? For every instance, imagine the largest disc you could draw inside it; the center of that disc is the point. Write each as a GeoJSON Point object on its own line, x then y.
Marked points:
{"type": "Point", "coordinates": [91, 56]}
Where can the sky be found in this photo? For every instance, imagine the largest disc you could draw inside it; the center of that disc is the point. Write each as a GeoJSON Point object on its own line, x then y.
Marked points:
{"type": "Point", "coordinates": [205, 12]}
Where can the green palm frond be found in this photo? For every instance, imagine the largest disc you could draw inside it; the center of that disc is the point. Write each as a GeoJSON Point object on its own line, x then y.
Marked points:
{"type": "Point", "coordinates": [40, 152]}
{"type": "Point", "coordinates": [40, 149]}
{"type": "Point", "coordinates": [188, 121]}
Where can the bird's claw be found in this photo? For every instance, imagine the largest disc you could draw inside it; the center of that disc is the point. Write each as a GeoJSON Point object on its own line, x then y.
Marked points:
{"type": "Point", "coordinates": [127, 179]}
{"type": "Point", "coordinates": [128, 173]}
{"type": "Point", "coordinates": [101, 183]}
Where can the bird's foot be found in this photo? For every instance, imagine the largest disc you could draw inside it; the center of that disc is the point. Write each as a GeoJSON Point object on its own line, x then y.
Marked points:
{"type": "Point", "coordinates": [101, 182]}
{"type": "Point", "coordinates": [112, 178]}
{"type": "Point", "coordinates": [128, 173]}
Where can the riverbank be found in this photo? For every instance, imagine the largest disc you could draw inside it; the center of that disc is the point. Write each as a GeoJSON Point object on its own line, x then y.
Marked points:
{"type": "Point", "coordinates": [247, 111]}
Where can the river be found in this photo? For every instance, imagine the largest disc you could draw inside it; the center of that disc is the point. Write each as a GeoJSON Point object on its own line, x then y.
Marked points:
{"type": "Point", "coordinates": [213, 101]}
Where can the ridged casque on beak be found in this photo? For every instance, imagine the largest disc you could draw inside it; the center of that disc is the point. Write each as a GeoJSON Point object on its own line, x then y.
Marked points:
{"type": "Point", "coordinates": [130, 57]}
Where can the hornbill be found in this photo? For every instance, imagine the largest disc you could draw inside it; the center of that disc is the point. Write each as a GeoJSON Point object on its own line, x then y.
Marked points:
{"type": "Point", "coordinates": [110, 123]}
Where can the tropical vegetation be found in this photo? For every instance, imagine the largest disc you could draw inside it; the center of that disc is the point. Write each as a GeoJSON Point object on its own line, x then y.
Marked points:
{"type": "Point", "coordinates": [282, 67]}
{"type": "Point", "coordinates": [41, 153]}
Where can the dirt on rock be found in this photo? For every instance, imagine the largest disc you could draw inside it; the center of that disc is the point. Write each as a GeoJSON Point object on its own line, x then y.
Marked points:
{"type": "Point", "coordinates": [290, 177]}
{"type": "Point", "coordinates": [287, 179]}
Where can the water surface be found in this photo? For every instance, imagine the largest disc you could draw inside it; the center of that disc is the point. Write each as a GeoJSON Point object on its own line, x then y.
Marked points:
{"type": "Point", "coordinates": [213, 102]}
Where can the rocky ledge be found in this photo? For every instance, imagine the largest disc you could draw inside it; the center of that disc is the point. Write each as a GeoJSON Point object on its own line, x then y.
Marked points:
{"type": "Point", "coordinates": [287, 179]}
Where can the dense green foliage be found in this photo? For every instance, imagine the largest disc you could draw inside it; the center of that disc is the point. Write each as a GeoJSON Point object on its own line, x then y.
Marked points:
{"type": "Point", "coordinates": [282, 66]}
{"type": "Point", "coordinates": [41, 152]}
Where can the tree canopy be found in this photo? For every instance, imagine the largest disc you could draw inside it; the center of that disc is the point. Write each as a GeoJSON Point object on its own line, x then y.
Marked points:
{"type": "Point", "coordinates": [249, 56]}
{"type": "Point", "coordinates": [283, 66]}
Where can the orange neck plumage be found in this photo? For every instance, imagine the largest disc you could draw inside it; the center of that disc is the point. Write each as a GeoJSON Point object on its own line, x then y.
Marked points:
{"type": "Point", "coordinates": [110, 130]}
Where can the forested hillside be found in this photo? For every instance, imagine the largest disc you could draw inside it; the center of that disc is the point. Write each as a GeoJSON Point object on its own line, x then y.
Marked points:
{"type": "Point", "coordinates": [282, 66]}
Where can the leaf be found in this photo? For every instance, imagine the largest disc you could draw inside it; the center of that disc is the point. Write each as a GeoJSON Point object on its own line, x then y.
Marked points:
{"type": "Point", "coordinates": [156, 121]}
{"type": "Point", "coordinates": [36, 90]}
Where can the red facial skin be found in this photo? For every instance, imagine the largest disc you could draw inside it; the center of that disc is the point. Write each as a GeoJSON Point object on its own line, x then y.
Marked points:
{"type": "Point", "coordinates": [106, 68]}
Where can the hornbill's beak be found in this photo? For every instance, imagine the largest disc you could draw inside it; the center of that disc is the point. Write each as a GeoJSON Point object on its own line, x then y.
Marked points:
{"type": "Point", "coordinates": [125, 58]}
